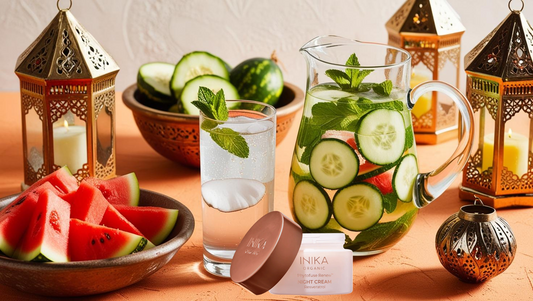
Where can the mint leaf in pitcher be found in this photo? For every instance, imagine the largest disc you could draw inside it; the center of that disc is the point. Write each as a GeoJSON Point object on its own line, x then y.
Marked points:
{"type": "Point", "coordinates": [214, 106]}
{"type": "Point", "coordinates": [352, 78]}
{"type": "Point", "coordinates": [384, 88]}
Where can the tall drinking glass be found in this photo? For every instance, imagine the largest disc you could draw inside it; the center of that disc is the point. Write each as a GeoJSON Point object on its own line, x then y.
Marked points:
{"type": "Point", "coordinates": [236, 191]}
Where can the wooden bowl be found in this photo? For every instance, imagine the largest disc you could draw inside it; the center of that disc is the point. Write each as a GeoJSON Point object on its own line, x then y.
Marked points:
{"type": "Point", "coordinates": [91, 277]}
{"type": "Point", "coordinates": [176, 136]}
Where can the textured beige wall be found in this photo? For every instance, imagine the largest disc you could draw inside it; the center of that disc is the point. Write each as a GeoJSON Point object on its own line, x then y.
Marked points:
{"type": "Point", "coordinates": [139, 31]}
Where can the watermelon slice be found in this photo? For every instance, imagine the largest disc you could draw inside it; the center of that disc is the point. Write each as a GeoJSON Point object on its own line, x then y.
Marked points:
{"type": "Point", "coordinates": [121, 190]}
{"type": "Point", "coordinates": [62, 179]}
{"type": "Point", "coordinates": [46, 238]}
{"type": "Point", "coordinates": [15, 218]}
{"type": "Point", "coordinates": [89, 241]}
{"type": "Point", "coordinates": [88, 204]}
{"type": "Point", "coordinates": [113, 219]}
{"type": "Point", "coordinates": [155, 223]}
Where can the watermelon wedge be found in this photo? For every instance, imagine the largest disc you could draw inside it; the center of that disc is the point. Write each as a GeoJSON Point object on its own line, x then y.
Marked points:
{"type": "Point", "coordinates": [89, 242]}
{"type": "Point", "coordinates": [113, 219]}
{"type": "Point", "coordinates": [15, 218]}
{"type": "Point", "coordinates": [88, 204]}
{"type": "Point", "coordinates": [62, 179]}
{"type": "Point", "coordinates": [155, 223]}
{"type": "Point", "coordinates": [47, 235]}
{"type": "Point", "coordinates": [121, 190]}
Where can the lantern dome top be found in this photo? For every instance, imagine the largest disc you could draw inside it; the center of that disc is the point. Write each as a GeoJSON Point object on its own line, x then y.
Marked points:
{"type": "Point", "coordinates": [432, 17]}
{"type": "Point", "coordinates": [506, 52]}
{"type": "Point", "coordinates": [64, 51]}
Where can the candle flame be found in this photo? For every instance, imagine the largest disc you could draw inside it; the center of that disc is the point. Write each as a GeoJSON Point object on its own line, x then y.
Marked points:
{"type": "Point", "coordinates": [510, 133]}
{"type": "Point", "coordinates": [65, 124]}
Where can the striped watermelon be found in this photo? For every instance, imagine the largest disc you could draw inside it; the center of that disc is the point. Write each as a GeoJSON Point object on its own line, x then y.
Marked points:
{"type": "Point", "coordinates": [258, 79]}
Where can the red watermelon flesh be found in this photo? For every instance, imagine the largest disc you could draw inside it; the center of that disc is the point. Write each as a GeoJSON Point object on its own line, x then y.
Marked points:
{"type": "Point", "coordinates": [15, 218]}
{"type": "Point", "coordinates": [121, 190]}
{"type": "Point", "coordinates": [46, 238]}
{"type": "Point", "coordinates": [62, 179]}
{"type": "Point", "coordinates": [113, 219]}
{"type": "Point", "coordinates": [155, 223]}
{"type": "Point", "coordinates": [88, 241]}
{"type": "Point", "coordinates": [88, 204]}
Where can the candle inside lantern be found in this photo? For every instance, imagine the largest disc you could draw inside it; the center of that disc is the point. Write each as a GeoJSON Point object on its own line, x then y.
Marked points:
{"type": "Point", "coordinates": [70, 146]}
{"type": "Point", "coordinates": [423, 104]}
{"type": "Point", "coordinates": [515, 152]}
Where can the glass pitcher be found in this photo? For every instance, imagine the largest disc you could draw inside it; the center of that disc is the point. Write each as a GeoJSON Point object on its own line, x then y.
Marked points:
{"type": "Point", "coordinates": [354, 168]}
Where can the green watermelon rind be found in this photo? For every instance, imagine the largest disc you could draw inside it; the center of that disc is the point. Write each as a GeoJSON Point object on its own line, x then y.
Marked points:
{"type": "Point", "coordinates": [135, 192]}
{"type": "Point", "coordinates": [169, 225]}
{"type": "Point", "coordinates": [258, 79]}
{"type": "Point", "coordinates": [135, 244]}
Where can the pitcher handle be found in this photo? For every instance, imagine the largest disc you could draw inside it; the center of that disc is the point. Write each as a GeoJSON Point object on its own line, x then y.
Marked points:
{"type": "Point", "coordinates": [429, 186]}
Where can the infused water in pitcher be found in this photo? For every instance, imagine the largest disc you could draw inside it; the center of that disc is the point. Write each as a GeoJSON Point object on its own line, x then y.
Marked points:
{"type": "Point", "coordinates": [354, 168]}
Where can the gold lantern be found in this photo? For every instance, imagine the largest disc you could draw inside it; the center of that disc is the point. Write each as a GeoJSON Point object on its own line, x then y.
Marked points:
{"type": "Point", "coordinates": [500, 88]}
{"type": "Point", "coordinates": [67, 89]}
{"type": "Point", "coordinates": [431, 31]}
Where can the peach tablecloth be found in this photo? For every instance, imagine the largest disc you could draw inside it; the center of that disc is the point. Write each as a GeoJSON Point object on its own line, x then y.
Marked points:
{"type": "Point", "coordinates": [410, 270]}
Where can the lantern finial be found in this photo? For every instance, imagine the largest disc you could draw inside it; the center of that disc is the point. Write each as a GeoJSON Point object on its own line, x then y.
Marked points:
{"type": "Point", "coordinates": [516, 10]}
{"type": "Point", "coordinates": [70, 5]}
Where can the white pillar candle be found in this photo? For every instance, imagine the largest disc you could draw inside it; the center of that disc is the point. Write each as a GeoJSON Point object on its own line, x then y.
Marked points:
{"type": "Point", "coordinates": [70, 146]}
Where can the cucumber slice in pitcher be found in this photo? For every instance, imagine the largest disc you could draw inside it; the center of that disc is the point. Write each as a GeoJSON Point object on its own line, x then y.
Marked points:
{"type": "Point", "coordinates": [312, 205]}
{"type": "Point", "coordinates": [213, 82]}
{"type": "Point", "coordinates": [380, 136]}
{"type": "Point", "coordinates": [358, 207]}
{"type": "Point", "coordinates": [153, 81]}
{"type": "Point", "coordinates": [194, 64]}
{"type": "Point", "coordinates": [404, 177]}
{"type": "Point", "coordinates": [333, 163]}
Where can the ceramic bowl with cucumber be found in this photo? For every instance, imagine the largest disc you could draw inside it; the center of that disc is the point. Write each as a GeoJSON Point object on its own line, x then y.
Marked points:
{"type": "Point", "coordinates": [161, 100]}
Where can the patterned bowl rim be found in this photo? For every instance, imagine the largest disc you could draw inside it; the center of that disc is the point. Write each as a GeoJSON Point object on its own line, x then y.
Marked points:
{"type": "Point", "coordinates": [129, 100]}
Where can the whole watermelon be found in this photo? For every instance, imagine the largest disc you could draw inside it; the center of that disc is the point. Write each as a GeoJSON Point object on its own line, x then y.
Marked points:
{"type": "Point", "coordinates": [258, 79]}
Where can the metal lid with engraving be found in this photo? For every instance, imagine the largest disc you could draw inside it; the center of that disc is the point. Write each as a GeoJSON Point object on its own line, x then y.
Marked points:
{"type": "Point", "coordinates": [266, 252]}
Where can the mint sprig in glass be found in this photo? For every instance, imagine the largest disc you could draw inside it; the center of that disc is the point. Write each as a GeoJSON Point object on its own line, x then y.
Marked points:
{"type": "Point", "coordinates": [214, 107]}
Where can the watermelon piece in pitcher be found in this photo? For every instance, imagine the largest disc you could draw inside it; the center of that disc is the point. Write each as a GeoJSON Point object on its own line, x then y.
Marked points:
{"type": "Point", "coordinates": [113, 219]}
{"type": "Point", "coordinates": [88, 204]}
{"type": "Point", "coordinates": [15, 217]}
{"type": "Point", "coordinates": [62, 179]}
{"type": "Point", "coordinates": [121, 190]}
{"type": "Point", "coordinates": [155, 223]}
{"type": "Point", "coordinates": [46, 238]}
{"type": "Point", "coordinates": [88, 241]}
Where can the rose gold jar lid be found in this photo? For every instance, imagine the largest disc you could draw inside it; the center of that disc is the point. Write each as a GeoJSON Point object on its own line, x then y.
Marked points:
{"type": "Point", "coordinates": [266, 252]}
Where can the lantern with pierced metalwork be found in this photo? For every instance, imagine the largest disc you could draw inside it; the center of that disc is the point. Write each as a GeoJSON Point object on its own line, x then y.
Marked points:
{"type": "Point", "coordinates": [67, 88]}
{"type": "Point", "coordinates": [500, 88]}
{"type": "Point", "coordinates": [431, 31]}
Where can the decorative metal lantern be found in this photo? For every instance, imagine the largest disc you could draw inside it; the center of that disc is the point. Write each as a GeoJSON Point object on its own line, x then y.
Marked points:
{"type": "Point", "coordinates": [500, 88]}
{"type": "Point", "coordinates": [475, 244]}
{"type": "Point", "coordinates": [67, 88]}
{"type": "Point", "coordinates": [431, 31]}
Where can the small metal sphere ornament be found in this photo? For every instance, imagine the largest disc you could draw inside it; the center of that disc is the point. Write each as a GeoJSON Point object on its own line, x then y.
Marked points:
{"type": "Point", "coordinates": [475, 244]}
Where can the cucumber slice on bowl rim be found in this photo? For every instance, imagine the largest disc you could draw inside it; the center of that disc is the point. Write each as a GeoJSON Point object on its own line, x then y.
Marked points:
{"type": "Point", "coordinates": [194, 64]}
{"type": "Point", "coordinates": [333, 163]}
{"type": "Point", "coordinates": [153, 81]}
{"type": "Point", "coordinates": [213, 82]}
{"type": "Point", "coordinates": [312, 205]}
{"type": "Point", "coordinates": [358, 207]}
{"type": "Point", "coordinates": [380, 136]}
{"type": "Point", "coordinates": [404, 177]}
